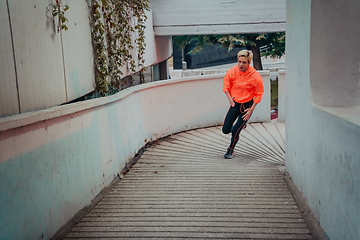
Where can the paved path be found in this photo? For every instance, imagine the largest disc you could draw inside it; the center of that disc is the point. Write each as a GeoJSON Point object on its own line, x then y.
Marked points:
{"type": "Point", "coordinates": [182, 187]}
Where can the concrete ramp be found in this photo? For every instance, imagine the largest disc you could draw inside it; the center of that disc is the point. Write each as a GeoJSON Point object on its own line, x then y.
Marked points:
{"type": "Point", "coordinates": [182, 187]}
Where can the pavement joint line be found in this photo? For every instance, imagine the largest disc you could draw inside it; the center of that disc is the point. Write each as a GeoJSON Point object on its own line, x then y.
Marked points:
{"type": "Point", "coordinates": [268, 139]}
{"type": "Point", "coordinates": [267, 127]}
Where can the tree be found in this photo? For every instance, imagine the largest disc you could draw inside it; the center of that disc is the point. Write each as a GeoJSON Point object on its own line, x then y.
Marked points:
{"type": "Point", "coordinates": [274, 42]}
{"type": "Point", "coordinates": [182, 41]}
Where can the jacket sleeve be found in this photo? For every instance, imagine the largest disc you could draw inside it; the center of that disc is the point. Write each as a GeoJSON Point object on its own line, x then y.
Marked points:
{"type": "Point", "coordinates": [226, 82]}
{"type": "Point", "coordinates": [259, 89]}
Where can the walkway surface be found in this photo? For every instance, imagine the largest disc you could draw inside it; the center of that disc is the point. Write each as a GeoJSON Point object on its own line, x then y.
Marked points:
{"type": "Point", "coordinates": [182, 187]}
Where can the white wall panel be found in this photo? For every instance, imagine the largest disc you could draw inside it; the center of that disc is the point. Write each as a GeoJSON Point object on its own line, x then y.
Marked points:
{"type": "Point", "coordinates": [8, 92]}
{"type": "Point", "coordinates": [188, 17]}
{"type": "Point", "coordinates": [52, 67]}
{"type": "Point", "coordinates": [38, 55]}
{"type": "Point", "coordinates": [282, 95]}
{"type": "Point", "coordinates": [159, 48]}
{"type": "Point", "coordinates": [78, 51]}
{"type": "Point", "coordinates": [262, 110]}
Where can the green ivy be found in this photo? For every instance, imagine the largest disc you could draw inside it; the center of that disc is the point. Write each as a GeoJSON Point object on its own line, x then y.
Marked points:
{"type": "Point", "coordinates": [59, 9]}
{"type": "Point", "coordinates": [118, 29]}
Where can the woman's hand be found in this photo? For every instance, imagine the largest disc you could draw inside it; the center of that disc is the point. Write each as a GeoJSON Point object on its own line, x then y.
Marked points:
{"type": "Point", "coordinates": [248, 112]}
{"type": "Point", "coordinates": [231, 99]}
{"type": "Point", "coordinates": [232, 103]}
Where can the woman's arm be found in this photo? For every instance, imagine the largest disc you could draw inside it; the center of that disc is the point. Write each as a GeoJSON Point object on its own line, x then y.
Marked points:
{"type": "Point", "coordinates": [259, 91]}
{"type": "Point", "coordinates": [231, 99]}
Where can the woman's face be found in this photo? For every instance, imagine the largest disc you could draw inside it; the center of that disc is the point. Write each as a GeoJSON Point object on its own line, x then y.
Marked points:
{"type": "Point", "coordinates": [243, 63]}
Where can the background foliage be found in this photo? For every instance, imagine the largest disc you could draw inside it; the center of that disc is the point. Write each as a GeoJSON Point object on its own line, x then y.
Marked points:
{"type": "Point", "coordinates": [274, 43]}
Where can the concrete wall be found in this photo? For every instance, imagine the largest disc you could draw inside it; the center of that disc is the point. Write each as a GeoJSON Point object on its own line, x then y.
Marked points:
{"type": "Point", "coordinates": [42, 67]}
{"type": "Point", "coordinates": [158, 48]}
{"type": "Point", "coordinates": [8, 89]}
{"type": "Point", "coordinates": [262, 111]}
{"type": "Point", "coordinates": [322, 149]}
{"type": "Point", "coordinates": [335, 33]}
{"type": "Point", "coordinates": [53, 162]}
{"type": "Point", "coordinates": [78, 51]}
{"type": "Point", "coordinates": [282, 98]}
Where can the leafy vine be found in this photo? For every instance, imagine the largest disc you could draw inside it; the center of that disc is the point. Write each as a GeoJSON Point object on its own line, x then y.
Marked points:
{"type": "Point", "coordinates": [59, 9]}
{"type": "Point", "coordinates": [118, 31]}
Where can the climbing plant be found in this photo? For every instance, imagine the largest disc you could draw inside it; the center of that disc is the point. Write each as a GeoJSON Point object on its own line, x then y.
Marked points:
{"type": "Point", "coordinates": [59, 9]}
{"type": "Point", "coordinates": [118, 32]}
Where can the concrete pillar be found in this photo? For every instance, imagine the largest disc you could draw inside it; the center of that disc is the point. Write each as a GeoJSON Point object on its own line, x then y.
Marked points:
{"type": "Point", "coordinates": [281, 95]}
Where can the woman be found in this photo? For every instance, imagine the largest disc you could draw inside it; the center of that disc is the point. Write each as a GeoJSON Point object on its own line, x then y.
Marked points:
{"type": "Point", "coordinates": [244, 88]}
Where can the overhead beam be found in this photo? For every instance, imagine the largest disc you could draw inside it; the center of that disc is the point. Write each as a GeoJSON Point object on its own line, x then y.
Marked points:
{"type": "Point", "coordinates": [201, 17]}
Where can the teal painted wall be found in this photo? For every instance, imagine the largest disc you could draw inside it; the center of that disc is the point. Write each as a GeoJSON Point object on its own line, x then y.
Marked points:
{"type": "Point", "coordinates": [71, 159]}
{"type": "Point", "coordinates": [322, 151]}
{"type": "Point", "coordinates": [52, 181]}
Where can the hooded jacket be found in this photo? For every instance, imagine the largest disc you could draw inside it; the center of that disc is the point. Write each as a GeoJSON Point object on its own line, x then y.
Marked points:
{"type": "Point", "coordinates": [244, 86]}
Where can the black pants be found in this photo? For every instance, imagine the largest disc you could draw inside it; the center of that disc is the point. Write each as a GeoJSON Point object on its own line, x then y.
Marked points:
{"type": "Point", "coordinates": [234, 113]}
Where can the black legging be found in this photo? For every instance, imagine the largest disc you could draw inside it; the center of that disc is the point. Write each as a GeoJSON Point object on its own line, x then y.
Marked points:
{"type": "Point", "coordinates": [235, 112]}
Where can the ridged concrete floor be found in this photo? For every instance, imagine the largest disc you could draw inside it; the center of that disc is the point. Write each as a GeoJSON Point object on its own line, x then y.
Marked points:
{"type": "Point", "coordinates": [182, 187]}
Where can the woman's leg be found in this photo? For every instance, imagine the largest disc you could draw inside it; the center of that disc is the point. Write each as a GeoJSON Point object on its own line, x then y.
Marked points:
{"type": "Point", "coordinates": [239, 125]}
{"type": "Point", "coordinates": [234, 113]}
{"type": "Point", "coordinates": [235, 133]}
{"type": "Point", "coordinates": [230, 118]}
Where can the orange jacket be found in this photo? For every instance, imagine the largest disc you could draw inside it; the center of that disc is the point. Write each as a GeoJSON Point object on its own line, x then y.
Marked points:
{"type": "Point", "coordinates": [244, 86]}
